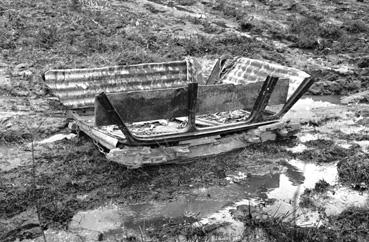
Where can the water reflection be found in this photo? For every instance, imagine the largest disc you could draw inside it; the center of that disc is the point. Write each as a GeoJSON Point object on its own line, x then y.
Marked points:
{"type": "Point", "coordinates": [278, 193]}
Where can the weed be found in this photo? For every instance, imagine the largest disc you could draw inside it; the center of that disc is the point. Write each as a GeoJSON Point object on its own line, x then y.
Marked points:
{"type": "Point", "coordinates": [186, 2]}
{"type": "Point", "coordinates": [75, 5]}
{"type": "Point", "coordinates": [350, 225]}
{"type": "Point", "coordinates": [47, 36]}
{"type": "Point", "coordinates": [325, 151]}
{"type": "Point", "coordinates": [245, 26]}
{"type": "Point", "coordinates": [355, 170]}
{"type": "Point", "coordinates": [229, 10]}
{"type": "Point", "coordinates": [311, 34]}
{"type": "Point", "coordinates": [330, 31]}
{"type": "Point", "coordinates": [321, 186]}
{"type": "Point", "coordinates": [356, 26]}
{"type": "Point", "coordinates": [306, 202]}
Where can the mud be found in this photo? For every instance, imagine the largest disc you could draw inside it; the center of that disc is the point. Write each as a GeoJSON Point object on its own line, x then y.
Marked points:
{"type": "Point", "coordinates": [79, 195]}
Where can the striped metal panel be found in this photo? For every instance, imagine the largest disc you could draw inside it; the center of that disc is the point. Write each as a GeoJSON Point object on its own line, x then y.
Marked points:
{"type": "Point", "coordinates": [245, 70]}
{"type": "Point", "coordinates": [77, 88]}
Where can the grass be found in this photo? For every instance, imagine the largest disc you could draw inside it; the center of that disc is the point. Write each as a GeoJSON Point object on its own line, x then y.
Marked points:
{"type": "Point", "coordinates": [70, 34]}
{"type": "Point", "coordinates": [311, 33]}
{"type": "Point", "coordinates": [351, 225]}
{"type": "Point", "coordinates": [229, 10]}
{"type": "Point", "coordinates": [354, 170]}
{"type": "Point", "coordinates": [325, 151]}
{"type": "Point", "coordinates": [75, 37]}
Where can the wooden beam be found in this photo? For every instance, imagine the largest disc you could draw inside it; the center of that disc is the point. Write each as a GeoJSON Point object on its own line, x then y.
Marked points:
{"type": "Point", "coordinates": [169, 103]}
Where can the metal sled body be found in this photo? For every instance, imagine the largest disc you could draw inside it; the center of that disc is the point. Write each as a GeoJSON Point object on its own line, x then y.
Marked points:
{"type": "Point", "coordinates": [165, 112]}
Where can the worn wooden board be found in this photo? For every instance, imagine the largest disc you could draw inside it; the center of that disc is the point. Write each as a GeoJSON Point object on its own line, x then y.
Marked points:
{"type": "Point", "coordinates": [173, 102]}
{"type": "Point", "coordinates": [134, 157]}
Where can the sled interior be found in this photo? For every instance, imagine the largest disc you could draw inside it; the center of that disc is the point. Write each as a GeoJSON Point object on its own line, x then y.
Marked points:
{"type": "Point", "coordinates": [164, 103]}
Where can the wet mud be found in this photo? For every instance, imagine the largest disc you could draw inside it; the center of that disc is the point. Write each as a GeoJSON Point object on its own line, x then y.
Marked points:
{"type": "Point", "coordinates": [308, 181]}
{"type": "Point", "coordinates": [312, 188]}
{"type": "Point", "coordinates": [301, 181]}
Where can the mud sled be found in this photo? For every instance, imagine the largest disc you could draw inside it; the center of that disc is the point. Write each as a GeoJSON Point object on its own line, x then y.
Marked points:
{"type": "Point", "coordinates": [159, 113]}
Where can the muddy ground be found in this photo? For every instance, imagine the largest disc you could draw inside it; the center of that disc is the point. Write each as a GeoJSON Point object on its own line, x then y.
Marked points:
{"type": "Point", "coordinates": [69, 192]}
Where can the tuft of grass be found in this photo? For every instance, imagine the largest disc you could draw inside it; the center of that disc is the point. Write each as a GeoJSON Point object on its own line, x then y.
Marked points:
{"type": "Point", "coordinates": [186, 2]}
{"type": "Point", "coordinates": [312, 34]}
{"type": "Point", "coordinates": [356, 26]}
{"type": "Point", "coordinates": [229, 10]}
{"type": "Point", "coordinates": [354, 170]}
{"type": "Point", "coordinates": [351, 225]}
{"type": "Point", "coordinates": [325, 151]}
{"type": "Point", "coordinates": [321, 186]}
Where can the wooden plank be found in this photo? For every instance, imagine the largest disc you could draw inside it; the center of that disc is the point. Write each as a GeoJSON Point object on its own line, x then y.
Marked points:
{"type": "Point", "coordinates": [173, 102]}
{"type": "Point", "coordinates": [135, 157]}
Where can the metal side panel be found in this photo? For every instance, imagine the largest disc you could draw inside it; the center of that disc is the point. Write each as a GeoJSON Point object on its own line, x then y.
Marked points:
{"type": "Point", "coordinates": [77, 88]}
{"type": "Point", "coordinates": [243, 70]}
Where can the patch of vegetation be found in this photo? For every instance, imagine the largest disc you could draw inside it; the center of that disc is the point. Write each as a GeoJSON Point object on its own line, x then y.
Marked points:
{"type": "Point", "coordinates": [164, 229]}
{"type": "Point", "coordinates": [325, 151]}
{"type": "Point", "coordinates": [321, 186]}
{"type": "Point", "coordinates": [208, 27]}
{"type": "Point", "coordinates": [230, 10]}
{"type": "Point", "coordinates": [66, 36]}
{"type": "Point", "coordinates": [186, 2]}
{"type": "Point", "coordinates": [354, 170]}
{"type": "Point", "coordinates": [350, 225]}
{"type": "Point", "coordinates": [356, 26]}
{"type": "Point", "coordinates": [312, 34]}
{"type": "Point", "coordinates": [306, 201]}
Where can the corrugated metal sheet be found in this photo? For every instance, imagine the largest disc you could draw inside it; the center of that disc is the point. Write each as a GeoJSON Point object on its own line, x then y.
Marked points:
{"type": "Point", "coordinates": [244, 70]}
{"type": "Point", "coordinates": [76, 88]}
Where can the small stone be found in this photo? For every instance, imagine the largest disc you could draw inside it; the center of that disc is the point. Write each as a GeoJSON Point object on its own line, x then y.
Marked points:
{"type": "Point", "coordinates": [268, 136]}
{"type": "Point", "coordinates": [253, 139]}
{"type": "Point", "coordinates": [282, 132]}
{"type": "Point", "coordinates": [254, 132]}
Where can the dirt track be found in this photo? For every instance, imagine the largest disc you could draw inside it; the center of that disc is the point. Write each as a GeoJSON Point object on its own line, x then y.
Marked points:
{"type": "Point", "coordinates": [72, 176]}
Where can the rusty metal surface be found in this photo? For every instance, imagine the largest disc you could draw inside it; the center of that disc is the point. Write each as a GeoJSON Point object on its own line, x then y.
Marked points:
{"type": "Point", "coordinates": [77, 88]}
{"type": "Point", "coordinates": [241, 70]}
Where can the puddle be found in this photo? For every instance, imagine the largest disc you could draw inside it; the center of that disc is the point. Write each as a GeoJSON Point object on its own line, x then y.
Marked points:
{"type": "Point", "coordinates": [336, 201]}
{"type": "Point", "coordinates": [273, 195]}
{"type": "Point", "coordinates": [313, 109]}
{"type": "Point", "coordinates": [214, 205]}
{"type": "Point", "coordinates": [333, 99]}
{"type": "Point", "coordinates": [311, 102]}
{"type": "Point", "coordinates": [344, 126]}
{"type": "Point", "coordinates": [305, 137]}
{"type": "Point", "coordinates": [306, 174]}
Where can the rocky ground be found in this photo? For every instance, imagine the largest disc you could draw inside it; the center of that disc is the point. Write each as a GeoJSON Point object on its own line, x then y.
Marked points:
{"type": "Point", "coordinates": [46, 191]}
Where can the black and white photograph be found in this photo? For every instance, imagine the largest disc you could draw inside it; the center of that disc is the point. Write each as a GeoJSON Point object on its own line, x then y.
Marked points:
{"type": "Point", "coordinates": [184, 120]}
